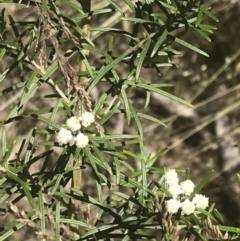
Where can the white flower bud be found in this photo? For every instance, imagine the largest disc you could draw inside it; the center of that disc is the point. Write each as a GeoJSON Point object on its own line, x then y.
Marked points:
{"type": "Point", "coordinates": [187, 187]}
{"type": "Point", "coordinates": [64, 136]}
{"type": "Point", "coordinates": [87, 119]}
{"type": "Point", "coordinates": [173, 205]}
{"type": "Point", "coordinates": [73, 123]}
{"type": "Point", "coordinates": [81, 140]}
{"type": "Point", "coordinates": [187, 207]}
{"type": "Point", "coordinates": [171, 177]}
{"type": "Point", "coordinates": [201, 201]}
{"type": "Point", "coordinates": [175, 190]}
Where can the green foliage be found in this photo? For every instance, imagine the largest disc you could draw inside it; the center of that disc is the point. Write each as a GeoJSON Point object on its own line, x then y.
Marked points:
{"type": "Point", "coordinates": [126, 203]}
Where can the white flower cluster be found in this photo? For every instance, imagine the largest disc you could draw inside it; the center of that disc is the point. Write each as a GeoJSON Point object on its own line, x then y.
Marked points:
{"type": "Point", "coordinates": [73, 132]}
{"type": "Point", "coordinates": [180, 193]}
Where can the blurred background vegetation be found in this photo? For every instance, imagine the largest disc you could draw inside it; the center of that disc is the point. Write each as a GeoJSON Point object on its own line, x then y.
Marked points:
{"type": "Point", "coordinates": [203, 138]}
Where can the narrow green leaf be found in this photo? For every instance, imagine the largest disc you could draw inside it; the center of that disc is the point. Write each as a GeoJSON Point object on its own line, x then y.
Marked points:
{"type": "Point", "coordinates": [109, 29]}
{"type": "Point", "coordinates": [127, 105]}
{"type": "Point", "coordinates": [25, 188]}
{"type": "Point", "coordinates": [218, 215]}
{"type": "Point", "coordinates": [147, 100]}
{"type": "Point", "coordinates": [9, 152]}
{"type": "Point", "coordinates": [135, 184]}
{"type": "Point", "coordinates": [112, 137]}
{"type": "Point", "coordinates": [159, 42]}
{"type": "Point", "coordinates": [13, 87]}
{"type": "Point", "coordinates": [199, 16]}
{"type": "Point", "coordinates": [119, 9]}
{"type": "Point", "coordinates": [74, 6]}
{"type": "Point", "coordinates": [99, 154]}
{"type": "Point", "coordinates": [30, 147]}
{"type": "Point", "coordinates": [188, 173]}
{"type": "Point", "coordinates": [3, 75]}
{"type": "Point", "coordinates": [7, 193]}
{"type": "Point", "coordinates": [50, 70]}
{"type": "Point", "coordinates": [143, 177]}
{"type": "Point", "coordinates": [203, 183]}
{"type": "Point", "coordinates": [115, 76]}
{"type": "Point", "coordinates": [4, 141]}
{"type": "Point", "coordinates": [75, 26]}
{"type": "Point", "coordinates": [127, 165]}
{"type": "Point", "coordinates": [207, 28]}
{"type": "Point", "coordinates": [118, 170]}
{"type": "Point", "coordinates": [2, 53]}
{"type": "Point", "coordinates": [209, 14]}
{"type": "Point", "coordinates": [96, 230]}
{"type": "Point", "coordinates": [42, 211]}
{"type": "Point", "coordinates": [170, 6]}
{"type": "Point", "coordinates": [93, 201]}
{"type": "Point", "coordinates": [99, 191]}
{"type": "Point", "coordinates": [88, 65]}
{"type": "Point", "coordinates": [204, 35]}
{"type": "Point", "coordinates": [100, 102]}
{"type": "Point", "coordinates": [152, 159]}
{"type": "Point", "coordinates": [142, 58]}
{"type": "Point", "coordinates": [30, 89]}
{"type": "Point", "coordinates": [92, 161]}
{"type": "Point", "coordinates": [76, 222]}
{"type": "Point", "coordinates": [161, 85]}
{"type": "Point", "coordinates": [229, 229]}
{"type": "Point", "coordinates": [159, 91]}
{"type": "Point", "coordinates": [170, 49]}
{"type": "Point", "coordinates": [55, 110]}
{"type": "Point", "coordinates": [57, 220]}
{"type": "Point", "coordinates": [67, 107]}
{"type": "Point", "coordinates": [18, 39]}
{"type": "Point", "coordinates": [104, 70]}
{"type": "Point", "coordinates": [137, 121]}
{"type": "Point", "coordinates": [49, 122]}
{"type": "Point", "coordinates": [120, 194]}
{"type": "Point", "coordinates": [162, 53]}
{"type": "Point", "coordinates": [108, 114]}
{"type": "Point", "coordinates": [57, 184]}
{"type": "Point", "coordinates": [114, 153]}
{"type": "Point", "coordinates": [110, 44]}
{"type": "Point", "coordinates": [21, 55]}
{"type": "Point", "coordinates": [101, 11]}
{"type": "Point", "coordinates": [238, 179]}
{"type": "Point", "coordinates": [130, 4]}
{"type": "Point", "coordinates": [132, 155]}
{"type": "Point", "coordinates": [187, 45]}
{"type": "Point", "coordinates": [137, 20]}
{"type": "Point", "coordinates": [161, 65]}
{"type": "Point", "coordinates": [151, 118]}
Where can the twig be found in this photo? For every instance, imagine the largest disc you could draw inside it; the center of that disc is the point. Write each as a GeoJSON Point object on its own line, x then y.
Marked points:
{"type": "Point", "coordinates": [76, 178]}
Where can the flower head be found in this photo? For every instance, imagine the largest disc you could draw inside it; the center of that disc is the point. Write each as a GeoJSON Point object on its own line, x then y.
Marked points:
{"type": "Point", "coordinates": [87, 118]}
{"type": "Point", "coordinates": [64, 136]}
{"type": "Point", "coordinates": [73, 123]}
{"type": "Point", "coordinates": [171, 177]}
{"type": "Point", "coordinates": [173, 205]}
{"type": "Point", "coordinates": [200, 201]}
{"type": "Point", "coordinates": [187, 187]}
{"type": "Point", "coordinates": [175, 190]}
{"type": "Point", "coordinates": [187, 207]}
{"type": "Point", "coordinates": [81, 140]}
